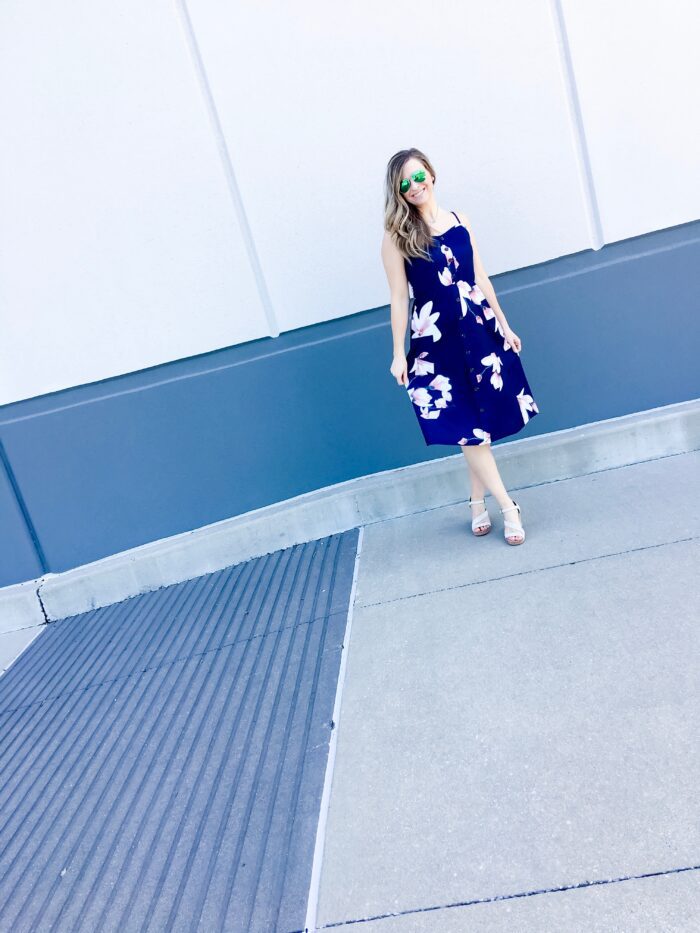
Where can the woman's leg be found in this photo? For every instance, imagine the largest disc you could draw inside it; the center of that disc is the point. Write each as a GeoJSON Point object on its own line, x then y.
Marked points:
{"type": "Point", "coordinates": [482, 464]}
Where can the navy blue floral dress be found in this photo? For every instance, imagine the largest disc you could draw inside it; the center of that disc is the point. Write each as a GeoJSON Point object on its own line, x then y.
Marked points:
{"type": "Point", "coordinates": [465, 381]}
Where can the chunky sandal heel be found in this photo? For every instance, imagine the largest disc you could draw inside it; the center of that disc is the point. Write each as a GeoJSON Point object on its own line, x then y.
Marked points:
{"type": "Point", "coordinates": [515, 530]}
{"type": "Point", "coordinates": [482, 520]}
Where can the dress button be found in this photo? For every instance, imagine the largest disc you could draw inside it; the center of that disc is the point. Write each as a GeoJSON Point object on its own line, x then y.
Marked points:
{"type": "Point", "coordinates": [481, 409]}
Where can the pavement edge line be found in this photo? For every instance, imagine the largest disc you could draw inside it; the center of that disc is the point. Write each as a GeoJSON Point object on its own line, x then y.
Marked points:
{"type": "Point", "coordinates": [316, 865]}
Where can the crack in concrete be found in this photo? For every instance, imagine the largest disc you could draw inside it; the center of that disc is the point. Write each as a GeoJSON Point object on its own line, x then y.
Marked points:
{"type": "Point", "coordinates": [523, 573]}
{"type": "Point", "coordinates": [41, 603]}
{"type": "Point", "coordinates": [505, 897]}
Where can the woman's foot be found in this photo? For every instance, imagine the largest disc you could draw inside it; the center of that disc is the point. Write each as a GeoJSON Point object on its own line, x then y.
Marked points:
{"type": "Point", "coordinates": [513, 530]}
{"type": "Point", "coordinates": [481, 523]}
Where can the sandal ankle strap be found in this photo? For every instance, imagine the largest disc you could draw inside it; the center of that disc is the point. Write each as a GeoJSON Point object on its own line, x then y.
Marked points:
{"type": "Point", "coordinates": [476, 501]}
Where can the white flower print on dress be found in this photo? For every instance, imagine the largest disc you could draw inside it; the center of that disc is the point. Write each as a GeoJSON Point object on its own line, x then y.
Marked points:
{"type": "Point", "coordinates": [482, 436]}
{"type": "Point", "coordinates": [442, 384]}
{"type": "Point", "coordinates": [449, 255]}
{"type": "Point", "coordinates": [495, 363]}
{"type": "Point", "coordinates": [476, 295]}
{"type": "Point", "coordinates": [445, 276]}
{"type": "Point", "coordinates": [463, 288]}
{"type": "Point", "coordinates": [473, 294]}
{"type": "Point", "coordinates": [420, 397]}
{"type": "Point", "coordinates": [527, 404]}
{"type": "Point", "coordinates": [423, 322]}
{"type": "Point", "coordinates": [430, 406]}
{"type": "Point", "coordinates": [422, 365]}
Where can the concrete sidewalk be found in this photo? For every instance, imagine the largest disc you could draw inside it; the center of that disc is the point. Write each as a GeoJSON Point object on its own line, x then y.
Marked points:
{"type": "Point", "coordinates": [518, 735]}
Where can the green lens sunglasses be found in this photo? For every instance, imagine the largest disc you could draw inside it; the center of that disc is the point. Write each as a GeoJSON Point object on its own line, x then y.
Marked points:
{"type": "Point", "coordinates": [418, 177]}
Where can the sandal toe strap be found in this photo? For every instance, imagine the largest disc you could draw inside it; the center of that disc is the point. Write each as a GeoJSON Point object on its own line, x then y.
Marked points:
{"type": "Point", "coordinates": [512, 530]}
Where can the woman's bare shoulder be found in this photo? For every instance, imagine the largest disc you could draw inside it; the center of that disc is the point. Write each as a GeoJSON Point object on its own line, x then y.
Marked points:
{"type": "Point", "coordinates": [389, 244]}
{"type": "Point", "coordinates": [464, 219]}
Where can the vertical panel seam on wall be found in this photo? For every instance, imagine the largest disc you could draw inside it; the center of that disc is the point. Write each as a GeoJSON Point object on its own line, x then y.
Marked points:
{"type": "Point", "coordinates": [579, 130]}
{"type": "Point", "coordinates": [22, 506]}
{"type": "Point", "coordinates": [229, 172]}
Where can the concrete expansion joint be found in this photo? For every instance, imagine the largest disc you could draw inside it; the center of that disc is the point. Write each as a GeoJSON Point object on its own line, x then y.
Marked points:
{"type": "Point", "coordinates": [535, 570]}
{"type": "Point", "coordinates": [41, 602]}
{"type": "Point", "coordinates": [597, 471]}
{"type": "Point", "coordinates": [501, 897]}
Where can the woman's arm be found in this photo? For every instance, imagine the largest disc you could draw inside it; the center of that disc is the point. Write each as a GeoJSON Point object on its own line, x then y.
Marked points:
{"type": "Point", "coordinates": [483, 281]}
{"type": "Point", "coordinates": [398, 286]}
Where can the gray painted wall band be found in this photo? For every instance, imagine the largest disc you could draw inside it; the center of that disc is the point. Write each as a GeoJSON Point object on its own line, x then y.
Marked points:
{"type": "Point", "coordinates": [110, 466]}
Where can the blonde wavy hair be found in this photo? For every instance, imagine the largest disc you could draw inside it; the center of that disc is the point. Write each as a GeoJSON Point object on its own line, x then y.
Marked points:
{"type": "Point", "coordinates": [402, 220]}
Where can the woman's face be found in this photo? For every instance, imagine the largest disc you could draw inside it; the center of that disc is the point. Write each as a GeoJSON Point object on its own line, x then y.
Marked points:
{"type": "Point", "coordinates": [420, 192]}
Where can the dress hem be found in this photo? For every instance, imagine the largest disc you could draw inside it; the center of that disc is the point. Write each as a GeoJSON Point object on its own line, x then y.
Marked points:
{"type": "Point", "coordinates": [476, 442]}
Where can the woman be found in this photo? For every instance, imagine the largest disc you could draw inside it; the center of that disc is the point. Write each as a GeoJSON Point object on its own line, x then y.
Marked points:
{"type": "Point", "coordinates": [462, 372]}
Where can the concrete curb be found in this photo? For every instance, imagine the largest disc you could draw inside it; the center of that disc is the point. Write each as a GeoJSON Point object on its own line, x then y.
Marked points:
{"type": "Point", "coordinates": [601, 445]}
{"type": "Point", "coordinates": [20, 607]}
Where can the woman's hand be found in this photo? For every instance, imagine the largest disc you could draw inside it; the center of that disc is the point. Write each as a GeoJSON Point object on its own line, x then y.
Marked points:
{"type": "Point", "coordinates": [512, 339]}
{"type": "Point", "coordinates": [399, 369]}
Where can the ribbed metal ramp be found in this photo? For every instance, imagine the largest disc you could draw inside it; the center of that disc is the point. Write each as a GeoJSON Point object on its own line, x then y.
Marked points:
{"type": "Point", "coordinates": [162, 759]}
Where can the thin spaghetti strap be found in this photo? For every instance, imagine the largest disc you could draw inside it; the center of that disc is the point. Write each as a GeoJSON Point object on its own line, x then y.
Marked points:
{"type": "Point", "coordinates": [458, 220]}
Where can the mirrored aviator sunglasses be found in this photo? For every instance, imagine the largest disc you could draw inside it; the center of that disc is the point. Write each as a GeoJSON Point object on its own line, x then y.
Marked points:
{"type": "Point", "coordinates": [418, 177]}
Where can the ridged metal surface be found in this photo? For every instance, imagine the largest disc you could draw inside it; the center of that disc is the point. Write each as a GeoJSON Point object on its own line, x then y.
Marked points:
{"type": "Point", "coordinates": [162, 759]}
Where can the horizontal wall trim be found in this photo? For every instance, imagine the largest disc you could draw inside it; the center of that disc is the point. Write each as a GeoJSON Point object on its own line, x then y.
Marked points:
{"type": "Point", "coordinates": [544, 458]}
{"type": "Point", "coordinates": [595, 267]}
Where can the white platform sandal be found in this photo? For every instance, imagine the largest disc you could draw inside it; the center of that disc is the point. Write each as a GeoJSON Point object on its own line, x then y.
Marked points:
{"type": "Point", "coordinates": [515, 530]}
{"type": "Point", "coordinates": [481, 520]}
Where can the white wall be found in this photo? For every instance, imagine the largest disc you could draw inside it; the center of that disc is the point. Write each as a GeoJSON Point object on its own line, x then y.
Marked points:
{"type": "Point", "coordinates": [120, 247]}
{"type": "Point", "coordinates": [184, 178]}
{"type": "Point", "coordinates": [316, 107]}
{"type": "Point", "coordinates": [637, 69]}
